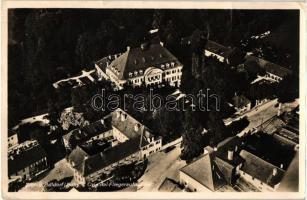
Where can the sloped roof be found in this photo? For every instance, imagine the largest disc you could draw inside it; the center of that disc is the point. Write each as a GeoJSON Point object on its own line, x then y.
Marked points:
{"type": "Point", "coordinates": [137, 59]}
{"type": "Point", "coordinates": [240, 101]}
{"type": "Point", "coordinates": [77, 157]}
{"type": "Point", "coordinates": [127, 126]}
{"type": "Point", "coordinates": [112, 155]}
{"type": "Point", "coordinates": [204, 171]}
{"type": "Point", "coordinates": [266, 65]}
{"type": "Point", "coordinates": [168, 185]}
{"type": "Point", "coordinates": [218, 48]}
{"type": "Point", "coordinates": [25, 158]}
{"type": "Point", "coordinates": [261, 169]}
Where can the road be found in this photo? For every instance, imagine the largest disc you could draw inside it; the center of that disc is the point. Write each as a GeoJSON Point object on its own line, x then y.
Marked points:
{"type": "Point", "coordinates": [263, 113]}
{"type": "Point", "coordinates": [160, 166]}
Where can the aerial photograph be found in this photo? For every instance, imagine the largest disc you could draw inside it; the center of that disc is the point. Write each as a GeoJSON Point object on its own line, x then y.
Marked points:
{"type": "Point", "coordinates": [153, 100]}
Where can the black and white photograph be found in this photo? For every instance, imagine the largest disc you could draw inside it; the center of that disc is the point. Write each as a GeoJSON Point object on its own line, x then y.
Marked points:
{"type": "Point", "coordinates": [153, 100]}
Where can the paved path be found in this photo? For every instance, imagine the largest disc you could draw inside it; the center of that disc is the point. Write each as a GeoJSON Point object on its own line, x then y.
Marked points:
{"type": "Point", "coordinates": [160, 166]}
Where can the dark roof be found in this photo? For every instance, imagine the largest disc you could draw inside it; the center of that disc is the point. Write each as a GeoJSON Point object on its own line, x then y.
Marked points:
{"type": "Point", "coordinates": [204, 171]}
{"type": "Point", "coordinates": [137, 59]}
{"type": "Point", "coordinates": [112, 155]}
{"type": "Point", "coordinates": [252, 61]}
{"type": "Point", "coordinates": [25, 158]}
{"type": "Point", "coordinates": [240, 101]}
{"type": "Point", "coordinates": [93, 129]}
{"type": "Point", "coordinates": [11, 133]}
{"type": "Point", "coordinates": [218, 48]}
{"type": "Point", "coordinates": [261, 169]}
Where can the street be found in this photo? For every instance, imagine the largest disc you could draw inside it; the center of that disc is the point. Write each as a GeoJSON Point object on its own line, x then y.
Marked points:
{"type": "Point", "coordinates": [160, 166]}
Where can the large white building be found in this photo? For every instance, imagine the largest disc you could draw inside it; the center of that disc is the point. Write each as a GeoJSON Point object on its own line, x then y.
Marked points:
{"type": "Point", "coordinates": [149, 64]}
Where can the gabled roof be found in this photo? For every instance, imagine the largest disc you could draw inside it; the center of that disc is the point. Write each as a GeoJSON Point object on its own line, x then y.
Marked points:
{"type": "Point", "coordinates": [112, 155]}
{"type": "Point", "coordinates": [218, 49]}
{"type": "Point", "coordinates": [127, 126]}
{"type": "Point", "coordinates": [252, 62]}
{"type": "Point", "coordinates": [204, 171]}
{"type": "Point", "coordinates": [261, 169]}
{"type": "Point", "coordinates": [240, 101]}
{"type": "Point", "coordinates": [25, 158]}
{"type": "Point", "coordinates": [169, 185]}
{"type": "Point", "coordinates": [140, 58]}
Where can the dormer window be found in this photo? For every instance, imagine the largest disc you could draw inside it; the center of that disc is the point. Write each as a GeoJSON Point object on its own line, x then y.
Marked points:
{"type": "Point", "coordinates": [135, 73]}
{"type": "Point", "coordinates": [160, 55]}
{"type": "Point", "coordinates": [172, 63]}
{"type": "Point", "coordinates": [167, 65]}
{"type": "Point", "coordinates": [162, 66]}
{"type": "Point", "coordinates": [141, 71]}
{"type": "Point", "coordinates": [130, 74]}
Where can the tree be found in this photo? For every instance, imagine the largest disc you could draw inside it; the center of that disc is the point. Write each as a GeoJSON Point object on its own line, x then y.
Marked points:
{"type": "Point", "coordinates": [288, 89]}
{"type": "Point", "coordinates": [216, 127]}
{"type": "Point", "coordinates": [191, 137]}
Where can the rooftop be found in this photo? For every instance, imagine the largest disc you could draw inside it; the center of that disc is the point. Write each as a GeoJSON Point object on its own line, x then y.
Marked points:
{"type": "Point", "coordinates": [218, 48]}
{"type": "Point", "coordinates": [261, 169]}
{"type": "Point", "coordinates": [169, 185]}
{"type": "Point", "coordinates": [252, 61]}
{"type": "Point", "coordinates": [204, 171]}
{"type": "Point", "coordinates": [136, 60]}
{"type": "Point", "coordinates": [25, 158]}
{"type": "Point", "coordinates": [101, 160]}
{"type": "Point", "coordinates": [240, 101]}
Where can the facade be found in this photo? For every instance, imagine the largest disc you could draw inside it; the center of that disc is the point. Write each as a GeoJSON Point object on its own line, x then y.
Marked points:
{"type": "Point", "coordinates": [241, 103]}
{"type": "Point", "coordinates": [149, 64]}
{"type": "Point", "coordinates": [263, 175]}
{"type": "Point", "coordinates": [134, 142]}
{"type": "Point", "coordinates": [227, 163]}
{"type": "Point", "coordinates": [12, 139]}
{"type": "Point", "coordinates": [27, 161]}
{"type": "Point", "coordinates": [272, 71]}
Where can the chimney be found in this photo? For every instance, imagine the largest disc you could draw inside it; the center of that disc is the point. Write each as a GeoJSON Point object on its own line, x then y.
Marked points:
{"type": "Point", "coordinates": [123, 117]}
{"type": "Point", "coordinates": [214, 148]}
{"type": "Point", "coordinates": [161, 43]}
{"type": "Point", "coordinates": [128, 48]}
{"type": "Point", "coordinates": [118, 113]}
{"type": "Point", "coordinates": [136, 127]}
{"type": "Point", "coordinates": [281, 166]}
{"type": "Point", "coordinates": [230, 155]}
{"type": "Point", "coordinates": [107, 63]}
{"type": "Point", "coordinates": [102, 121]}
{"type": "Point", "coordinates": [274, 172]}
{"type": "Point", "coordinates": [110, 57]}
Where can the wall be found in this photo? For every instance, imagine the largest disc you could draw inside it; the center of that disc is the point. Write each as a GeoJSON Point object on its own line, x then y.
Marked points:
{"type": "Point", "coordinates": [255, 182]}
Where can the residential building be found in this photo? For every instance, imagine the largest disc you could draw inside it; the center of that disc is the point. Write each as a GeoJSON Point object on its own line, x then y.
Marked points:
{"type": "Point", "coordinates": [202, 175]}
{"type": "Point", "coordinates": [149, 64]}
{"type": "Point", "coordinates": [12, 139]}
{"type": "Point", "coordinates": [260, 173]}
{"type": "Point", "coordinates": [27, 161]}
{"type": "Point", "coordinates": [226, 164]}
{"type": "Point", "coordinates": [273, 71]}
{"type": "Point", "coordinates": [134, 142]}
{"type": "Point", "coordinates": [241, 103]}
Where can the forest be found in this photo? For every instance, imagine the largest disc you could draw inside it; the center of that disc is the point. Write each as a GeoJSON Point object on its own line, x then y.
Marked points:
{"type": "Point", "coordinates": [45, 45]}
